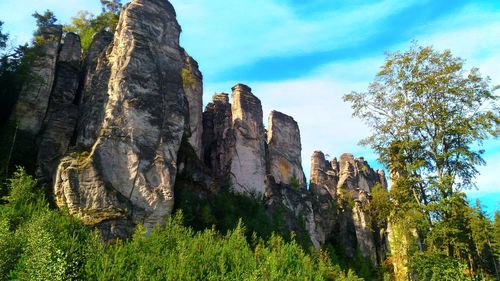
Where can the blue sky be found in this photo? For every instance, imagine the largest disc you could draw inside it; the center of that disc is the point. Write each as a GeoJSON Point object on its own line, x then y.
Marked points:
{"type": "Point", "coordinates": [300, 57]}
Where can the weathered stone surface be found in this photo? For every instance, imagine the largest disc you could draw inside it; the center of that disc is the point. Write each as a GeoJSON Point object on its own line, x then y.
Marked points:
{"type": "Point", "coordinates": [34, 97]}
{"type": "Point", "coordinates": [71, 49]}
{"type": "Point", "coordinates": [61, 116]}
{"type": "Point", "coordinates": [285, 161]}
{"type": "Point", "coordinates": [193, 88]}
{"type": "Point", "coordinates": [248, 164]}
{"type": "Point", "coordinates": [134, 157]}
{"type": "Point", "coordinates": [96, 71]}
{"type": "Point", "coordinates": [218, 137]}
{"type": "Point", "coordinates": [298, 210]}
{"type": "Point", "coordinates": [324, 174]}
{"type": "Point", "coordinates": [356, 174]}
{"type": "Point", "coordinates": [341, 190]}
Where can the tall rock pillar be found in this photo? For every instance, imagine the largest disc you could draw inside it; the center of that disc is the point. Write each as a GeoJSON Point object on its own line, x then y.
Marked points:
{"type": "Point", "coordinates": [34, 97]}
{"type": "Point", "coordinates": [285, 161]}
{"type": "Point", "coordinates": [130, 171]}
{"type": "Point", "coordinates": [62, 113]}
{"type": "Point", "coordinates": [248, 164]}
{"type": "Point", "coordinates": [193, 88]}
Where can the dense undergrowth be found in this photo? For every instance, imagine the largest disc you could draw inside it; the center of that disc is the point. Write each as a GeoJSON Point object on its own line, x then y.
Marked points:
{"type": "Point", "coordinates": [41, 243]}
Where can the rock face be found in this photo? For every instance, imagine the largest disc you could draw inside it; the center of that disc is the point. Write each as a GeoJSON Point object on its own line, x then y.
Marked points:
{"type": "Point", "coordinates": [62, 113]}
{"type": "Point", "coordinates": [131, 169]}
{"type": "Point", "coordinates": [115, 132]}
{"type": "Point", "coordinates": [285, 162]}
{"type": "Point", "coordinates": [96, 71]}
{"type": "Point", "coordinates": [248, 164]}
{"type": "Point", "coordinates": [34, 97]}
{"type": "Point", "coordinates": [193, 88]}
{"type": "Point", "coordinates": [218, 137]}
{"type": "Point", "coordinates": [346, 185]}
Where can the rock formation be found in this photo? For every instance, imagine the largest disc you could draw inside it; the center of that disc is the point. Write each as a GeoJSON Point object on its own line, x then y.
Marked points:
{"type": "Point", "coordinates": [218, 137]}
{"type": "Point", "coordinates": [248, 163]}
{"type": "Point", "coordinates": [130, 170]}
{"type": "Point", "coordinates": [34, 97]}
{"type": "Point", "coordinates": [193, 88]}
{"type": "Point", "coordinates": [62, 113]}
{"type": "Point", "coordinates": [96, 71]}
{"type": "Point", "coordinates": [349, 181]}
{"type": "Point", "coordinates": [115, 134]}
{"type": "Point", "coordinates": [285, 162]}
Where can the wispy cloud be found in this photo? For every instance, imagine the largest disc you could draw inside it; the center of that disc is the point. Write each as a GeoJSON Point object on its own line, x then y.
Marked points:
{"type": "Point", "coordinates": [243, 32]}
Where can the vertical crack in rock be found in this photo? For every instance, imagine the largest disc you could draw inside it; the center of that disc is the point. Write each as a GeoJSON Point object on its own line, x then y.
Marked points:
{"type": "Point", "coordinates": [34, 97]}
{"type": "Point", "coordinates": [131, 167]}
{"type": "Point", "coordinates": [62, 114]}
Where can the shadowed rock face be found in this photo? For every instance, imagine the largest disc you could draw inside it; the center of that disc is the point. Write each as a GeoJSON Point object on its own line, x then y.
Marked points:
{"type": "Point", "coordinates": [131, 168]}
{"type": "Point", "coordinates": [193, 88]}
{"type": "Point", "coordinates": [34, 97]}
{"type": "Point", "coordinates": [248, 164]}
{"type": "Point", "coordinates": [218, 137]}
{"type": "Point", "coordinates": [334, 183]}
{"type": "Point", "coordinates": [96, 71]}
{"type": "Point", "coordinates": [284, 148]}
{"type": "Point", "coordinates": [62, 114]}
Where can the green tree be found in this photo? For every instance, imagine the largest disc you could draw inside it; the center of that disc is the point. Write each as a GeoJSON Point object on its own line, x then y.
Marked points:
{"type": "Point", "coordinates": [429, 118]}
{"type": "Point", "coordinates": [3, 37]}
{"type": "Point", "coordinates": [424, 103]}
{"type": "Point", "coordinates": [46, 19]}
{"type": "Point", "coordinates": [87, 24]}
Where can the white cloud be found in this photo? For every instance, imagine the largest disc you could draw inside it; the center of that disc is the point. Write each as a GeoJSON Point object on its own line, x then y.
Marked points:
{"type": "Point", "coordinates": [241, 32]}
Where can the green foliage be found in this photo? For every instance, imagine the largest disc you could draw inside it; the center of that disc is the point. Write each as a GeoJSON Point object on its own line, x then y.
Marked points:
{"type": "Point", "coordinates": [224, 209]}
{"type": "Point", "coordinates": [39, 243]}
{"type": "Point", "coordinates": [379, 206]}
{"type": "Point", "coordinates": [86, 24]}
{"type": "Point", "coordinates": [437, 268]}
{"type": "Point", "coordinates": [429, 118]}
{"type": "Point", "coordinates": [294, 182]}
{"type": "Point", "coordinates": [3, 37]}
{"type": "Point", "coordinates": [496, 235]}
{"type": "Point", "coordinates": [46, 19]}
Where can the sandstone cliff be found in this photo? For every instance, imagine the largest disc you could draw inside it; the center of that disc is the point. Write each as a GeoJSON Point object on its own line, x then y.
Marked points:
{"type": "Point", "coordinates": [118, 129]}
{"type": "Point", "coordinates": [130, 170]}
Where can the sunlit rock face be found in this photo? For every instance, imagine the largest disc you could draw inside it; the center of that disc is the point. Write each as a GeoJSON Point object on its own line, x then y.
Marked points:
{"type": "Point", "coordinates": [284, 159]}
{"type": "Point", "coordinates": [130, 170]}
{"type": "Point", "coordinates": [248, 163]}
{"type": "Point", "coordinates": [343, 188]}
{"type": "Point", "coordinates": [96, 71]}
{"type": "Point", "coordinates": [193, 88]}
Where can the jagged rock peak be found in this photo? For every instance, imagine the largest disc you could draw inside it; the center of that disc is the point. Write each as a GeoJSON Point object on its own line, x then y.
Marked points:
{"type": "Point", "coordinates": [285, 162]}
{"type": "Point", "coordinates": [323, 176]}
{"type": "Point", "coordinates": [248, 163]}
{"type": "Point", "coordinates": [130, 171]}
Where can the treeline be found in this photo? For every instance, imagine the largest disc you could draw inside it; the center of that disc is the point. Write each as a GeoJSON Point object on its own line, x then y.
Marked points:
{"type": "Point", "coordinates": [41, 243]}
